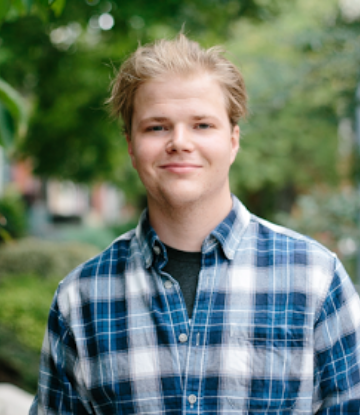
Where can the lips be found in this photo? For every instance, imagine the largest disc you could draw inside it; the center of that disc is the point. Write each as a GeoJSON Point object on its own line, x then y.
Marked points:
{"type": "Point", "coordinates": [180, 168]}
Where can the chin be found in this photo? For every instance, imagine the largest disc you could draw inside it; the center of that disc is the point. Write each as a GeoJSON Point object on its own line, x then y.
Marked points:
{"type": "Point", "coordinates": [183, 199]}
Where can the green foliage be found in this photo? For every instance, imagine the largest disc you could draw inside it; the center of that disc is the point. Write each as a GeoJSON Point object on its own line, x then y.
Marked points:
{"type": "Point", "coordinates": [96, 236]}
{"type": "Point", "coordinates": [301, 72]}
{"type": "Point", "coordinates": [19, 364]}
{"type": "Point", "coordinates": [204, 19]}
{"type": "Point", "coordinates": [64, 64]}
{"type": "Point", "coordinates": [330, 217]}
{"type": "Point", "coordinates": [12, 217]}
{"type": "Point", "coordinates": [14, 9]}
{"type": "Point", "coordinates": [13, 111]}
{"type": "Point", "coordinates": [120, 229]}
{"type": "Point", "coordinates": [300, 65]}
{"type": "Point", "coordinates": [25, 302]}
{"type": "Point", "coordinates": [324, 212]}
{"type": "Point", "coordinates": [47, 259]}
{"type": "Point", "coordinates": [14, 104]}
{"type": "Point", "coordinates": [4, 9]}
{"type": "Point", "coordinates": [13, 116]}
{"type": "Point", "coordinates": [99, 237]}
{"type": "Point", "coordinates": [57, 6]}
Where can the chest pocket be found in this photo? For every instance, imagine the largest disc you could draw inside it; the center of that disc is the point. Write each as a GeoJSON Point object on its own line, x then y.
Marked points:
{"type": "Point", "coordinates": [274, 366]}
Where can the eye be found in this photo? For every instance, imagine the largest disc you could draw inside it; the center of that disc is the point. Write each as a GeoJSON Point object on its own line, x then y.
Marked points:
{"type": "Point", "coordinates": [203, 126]}
{"type": "Point", "coordinates": [155, 128]}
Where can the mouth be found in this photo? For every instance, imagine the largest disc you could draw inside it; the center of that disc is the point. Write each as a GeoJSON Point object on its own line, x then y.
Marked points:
{"type": "Point", "coordinates": [180, 168]}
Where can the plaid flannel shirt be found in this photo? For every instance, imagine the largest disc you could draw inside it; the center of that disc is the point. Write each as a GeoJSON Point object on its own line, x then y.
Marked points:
{"type": "Point", "coordinates": [275, 329]}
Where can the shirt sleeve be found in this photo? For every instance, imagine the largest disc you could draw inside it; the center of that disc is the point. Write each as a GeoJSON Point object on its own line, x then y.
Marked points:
{"type": "Point", "coordinates": [59, 391]}
{"type": "Point", "coordinates": [337, 348]}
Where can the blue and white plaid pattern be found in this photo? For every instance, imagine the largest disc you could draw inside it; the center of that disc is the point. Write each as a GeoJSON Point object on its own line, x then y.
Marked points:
{"type": "Point", "coordinates": [275, 329]}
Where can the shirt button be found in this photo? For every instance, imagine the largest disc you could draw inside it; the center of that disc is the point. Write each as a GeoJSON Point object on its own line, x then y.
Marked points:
{"type": "Point", "coordinates": [157, 250]}
{"type": "Point", "coordinates": [183, 338]}
{"type": "Point", "coordinates": [168, 284]}
{"type": "Point", "coordinates": [192, 399]}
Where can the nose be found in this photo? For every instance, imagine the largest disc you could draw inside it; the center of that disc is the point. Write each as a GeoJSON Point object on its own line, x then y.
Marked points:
{"type": "Point", "coordinates": [180, 140]}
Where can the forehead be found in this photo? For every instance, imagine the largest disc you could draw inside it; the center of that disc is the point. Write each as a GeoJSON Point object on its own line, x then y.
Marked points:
{"type": "Point", "coordinates": [180, 92]}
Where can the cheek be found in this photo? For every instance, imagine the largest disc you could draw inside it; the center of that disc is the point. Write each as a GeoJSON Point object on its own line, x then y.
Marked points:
{"type": "Point", "coordinates": [143, 158]}
{"type": "Point", "coordinates": [223, 156]}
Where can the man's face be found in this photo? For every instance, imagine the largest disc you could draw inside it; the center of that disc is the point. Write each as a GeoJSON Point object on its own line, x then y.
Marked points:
{"type": "Point", "coordinates": [182, 143]}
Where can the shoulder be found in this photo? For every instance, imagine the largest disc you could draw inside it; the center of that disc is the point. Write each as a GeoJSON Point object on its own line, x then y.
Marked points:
{"type": "Point", "coordinates": [287, 240]}
{"type": "Point", "coordinates": [293, 258]}
{"type": "Point", "coordinates": [266, 240]}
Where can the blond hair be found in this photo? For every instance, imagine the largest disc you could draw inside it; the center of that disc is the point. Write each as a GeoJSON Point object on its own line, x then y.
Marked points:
{"type": "Point", "coordinates": [179, 56]}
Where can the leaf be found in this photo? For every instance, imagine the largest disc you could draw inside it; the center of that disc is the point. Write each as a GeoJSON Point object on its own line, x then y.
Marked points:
{"type": "Point", "coordinates": [18, 7]}
{"type": "Point", "coordinates": [43, 3]}
{"type": "Point", "coordinates": [58, 6]}
{"type": "Point", "coordinates": [6, 129]}
{"type": "Point", "coordinates": [27, 4]}
{"type": "Point", "coordinates": [15, 104]}
{"type": "Point", "coordinates": [4, 8]}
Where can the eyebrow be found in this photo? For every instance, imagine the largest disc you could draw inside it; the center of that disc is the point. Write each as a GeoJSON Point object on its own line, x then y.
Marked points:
{"type": "Point", "coordinates": [163, 119]}
{"type": "Point", "coordinates": [158, 119]}
{"type": "Point", "coordinates": [206, 117]}
{"type": "Point", "coordinates": [201, 117]}
{"type": "Point", "coordinates": [194, 117]}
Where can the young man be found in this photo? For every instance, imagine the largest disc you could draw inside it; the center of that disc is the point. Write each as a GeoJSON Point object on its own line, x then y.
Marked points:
{"type": "Point", "coordinates": [204, 308]}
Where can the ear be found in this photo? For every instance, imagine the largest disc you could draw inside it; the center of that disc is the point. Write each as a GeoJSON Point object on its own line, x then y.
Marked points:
{"type": "Point", "coordinates": [235, 142]}
{"type": "Point", "coordinates": [130, 150]}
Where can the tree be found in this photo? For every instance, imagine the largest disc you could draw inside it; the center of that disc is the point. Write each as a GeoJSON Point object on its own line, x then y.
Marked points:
{"type": "Point", "coordinates": [301, 70]}
{"type": "Point", "coordinates": [286, 51]}
{"type": "Point", "coordinates": [13, 111]}
{"type": "Point", "coordinates": [64, 63]}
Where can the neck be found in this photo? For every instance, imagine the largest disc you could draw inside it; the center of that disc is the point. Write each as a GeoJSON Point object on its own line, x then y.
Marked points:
{"type": "Point", "coordinates": [186, 227]}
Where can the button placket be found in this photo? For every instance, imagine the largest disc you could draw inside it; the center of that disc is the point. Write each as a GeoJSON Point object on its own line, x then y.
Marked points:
{"type": "Point", "coordinates": [205, 295]}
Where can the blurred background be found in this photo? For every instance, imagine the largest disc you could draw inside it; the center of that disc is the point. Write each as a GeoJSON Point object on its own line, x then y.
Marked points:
{"type": "Point", "coordinates": [67, 188]}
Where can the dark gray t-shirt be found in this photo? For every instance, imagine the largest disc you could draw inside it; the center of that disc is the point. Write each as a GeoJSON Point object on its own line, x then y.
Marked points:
{"type": "Point", "coordinates": [185, 268]}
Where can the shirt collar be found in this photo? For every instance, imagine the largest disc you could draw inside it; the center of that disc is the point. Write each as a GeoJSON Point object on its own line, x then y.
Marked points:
{"type": "Point", "coordinates": [147, 238]}
{"type": "Point", "coordinates": [228, 233]}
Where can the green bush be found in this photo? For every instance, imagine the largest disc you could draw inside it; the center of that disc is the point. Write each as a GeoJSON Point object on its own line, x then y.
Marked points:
{"type": "Point", "coordinates": [25, 302]}
{"type": "Point", "coordinates": [19, 364]}
{"type": "Point", "coordinates": [12, 217]}
{"type": "Point", "coordinates": [31, 256]}
{"type": "Point", "coordinates": [30, 270]}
